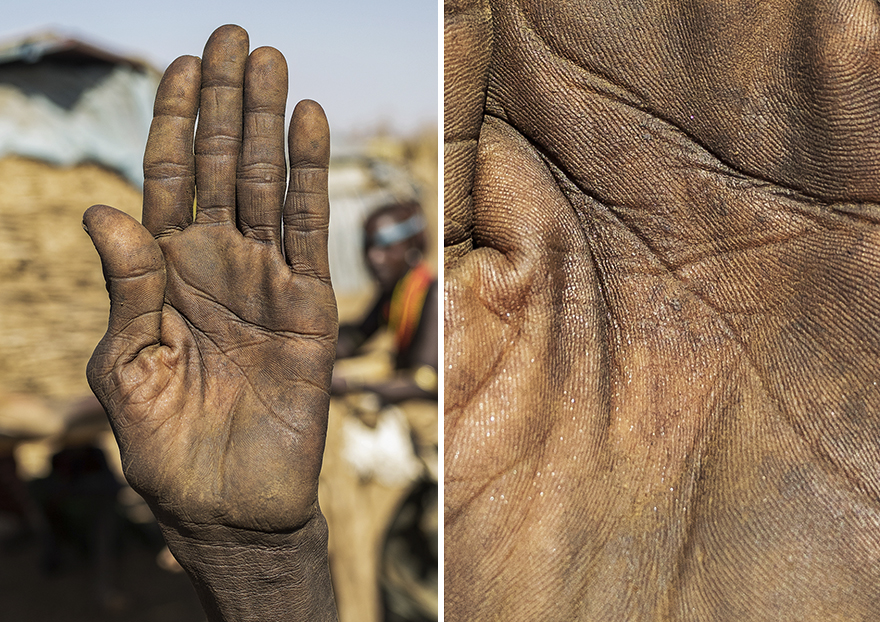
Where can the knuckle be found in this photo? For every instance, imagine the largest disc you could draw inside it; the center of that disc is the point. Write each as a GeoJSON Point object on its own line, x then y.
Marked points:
{"type": "Point", "coordinates": [262, 172]}
{"type": "Point", "coordinates": [164, 170]}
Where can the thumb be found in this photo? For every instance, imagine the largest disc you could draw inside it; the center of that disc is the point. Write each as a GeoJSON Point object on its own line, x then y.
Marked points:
{"type": "Point", "coordinates": [134, 269]}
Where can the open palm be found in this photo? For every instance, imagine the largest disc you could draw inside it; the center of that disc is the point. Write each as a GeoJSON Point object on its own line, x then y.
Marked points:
{"type": "Point", "coordinates": [215, 368]}
{"type": "Point", "coordinates": [661, 312]}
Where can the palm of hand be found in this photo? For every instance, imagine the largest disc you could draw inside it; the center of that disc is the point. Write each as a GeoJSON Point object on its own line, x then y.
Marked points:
{"type": "Point", "coordinates": [681, 378]}
{"type": "Point", "coordinates": [243, 386]}
{"type": "Point", "coordinates": [216, 366]}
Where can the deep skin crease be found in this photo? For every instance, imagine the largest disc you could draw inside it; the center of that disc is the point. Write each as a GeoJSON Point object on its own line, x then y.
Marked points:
{"type": "Point", "coordinates": [662, 350]}
{"type": "Point", "coordinates": [215, 369]}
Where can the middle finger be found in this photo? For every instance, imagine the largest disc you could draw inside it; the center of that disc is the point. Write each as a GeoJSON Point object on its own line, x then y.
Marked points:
{"type": "Point", "coordinates": [218, 136]}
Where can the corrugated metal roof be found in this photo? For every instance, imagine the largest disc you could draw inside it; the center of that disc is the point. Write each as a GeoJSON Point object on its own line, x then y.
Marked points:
{"type": "Point", "coordinates": [49, 44]}
{"type": "Point", "coordinates": [66, 101]}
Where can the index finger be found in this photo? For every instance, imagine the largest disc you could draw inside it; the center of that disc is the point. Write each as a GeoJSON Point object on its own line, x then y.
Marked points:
{"type": "Point", "coordinates": [169, 168]}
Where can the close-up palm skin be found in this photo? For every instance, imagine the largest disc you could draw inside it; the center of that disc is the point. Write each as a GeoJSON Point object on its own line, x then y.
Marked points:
{"type": "Point", "coordinates": [661, 338]}
{"type": "Point", "coordinates": [215, 369]}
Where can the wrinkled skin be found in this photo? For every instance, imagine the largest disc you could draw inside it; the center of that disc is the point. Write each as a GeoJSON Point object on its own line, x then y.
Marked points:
{"type": "Point", "coordinates": [215, 368]}
{"type": "Point", "coordinates": [662, 310]}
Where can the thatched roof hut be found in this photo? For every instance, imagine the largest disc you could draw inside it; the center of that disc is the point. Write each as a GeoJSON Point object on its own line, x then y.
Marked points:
{"type": "Point", "coordinates": [73, 124]}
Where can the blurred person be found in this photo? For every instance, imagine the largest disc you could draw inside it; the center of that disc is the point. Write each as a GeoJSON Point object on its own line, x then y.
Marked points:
{"type": "Point", "coordinates": [394, 247]}
{"type": "Point", "coordinates": [391, 442]}
{"type": "Point", "coordinates": [20, 517]}
{"type": "Point", "coordinates": [79, 500]}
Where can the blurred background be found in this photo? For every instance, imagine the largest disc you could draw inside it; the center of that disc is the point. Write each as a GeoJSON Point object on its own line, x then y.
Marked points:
{"type": "Point", "coordinates": [77, 82]}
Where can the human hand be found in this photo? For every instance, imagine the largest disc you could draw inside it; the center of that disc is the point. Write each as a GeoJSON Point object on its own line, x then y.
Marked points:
{"type": "Point", "coordinates": [661, 311]}
{"type": "Point", "coordinates": [215, 369]}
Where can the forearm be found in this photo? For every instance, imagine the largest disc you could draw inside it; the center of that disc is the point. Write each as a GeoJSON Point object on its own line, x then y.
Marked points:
{"type": "Point", "coordinates": [405, 385]}
{"type": "Point", "coordinates": [246, 576]}
{"type": "Point", "coordinates": [398, 390]}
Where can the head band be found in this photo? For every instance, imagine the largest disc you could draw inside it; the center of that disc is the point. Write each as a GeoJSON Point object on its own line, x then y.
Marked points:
{"type": "Point", "coordinates": [399, 231]}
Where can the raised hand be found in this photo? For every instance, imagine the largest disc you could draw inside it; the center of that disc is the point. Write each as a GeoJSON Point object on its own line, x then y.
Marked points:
{"type": "Point", "coordinates": [661, 309]}
{"type": "Point", "coordinates": [215, 369]}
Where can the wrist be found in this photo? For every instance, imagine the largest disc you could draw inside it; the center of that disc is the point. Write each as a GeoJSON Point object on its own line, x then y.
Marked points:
{"type": "Point", "coordinates": [244, 576]}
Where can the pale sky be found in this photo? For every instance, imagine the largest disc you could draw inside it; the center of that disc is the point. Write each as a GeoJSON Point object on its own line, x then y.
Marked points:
{"type": "Point", "coordinates": [368, 62]}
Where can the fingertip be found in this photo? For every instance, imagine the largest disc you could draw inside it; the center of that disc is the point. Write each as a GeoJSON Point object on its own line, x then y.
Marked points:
{"type": "Point", "coordinates": [187, 65]}
{"type": "Point", "coordinates": [227, 31]}
{"type": "Point", "coordinates": [185, 62]}
{"type": "Point", "coordinates": [232, 39]}
{"type": "Point", "coordinates": [94, 216]}
{"type": "Point", "coordinates": [310, 107]}
{"type": "Point", "coordinates": [268, 55]}
{"type": "Point", "coordinates": [309, 138]}
{"type": "Point", "coordinates": [178, 91]}
{"type": "Point", "coordinates": [90, 214]}
{"type": "Point", "coordinates": [126, 248]}
{"type": "Point", "coordinates": [266, 80]}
